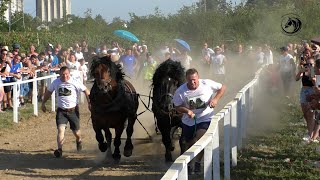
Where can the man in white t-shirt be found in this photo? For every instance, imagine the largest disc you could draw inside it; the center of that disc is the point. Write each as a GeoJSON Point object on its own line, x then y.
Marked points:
{"type": "Point", "coordinates": [217, 68]}
{"type": "Point", "coordinates": [185, 60]}
{"type": "Point", "coordinates": [287, 69]}
{"type": "Point", "coordinates": [196, 99]}
{"type": "Point", "coordinates": [67, 89]}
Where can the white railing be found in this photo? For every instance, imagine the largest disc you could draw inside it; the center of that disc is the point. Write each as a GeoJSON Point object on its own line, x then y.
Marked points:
{"type": "Point", "coordinates": [234, 116]}
{"type": "Point", "coordinates": [15, 97]}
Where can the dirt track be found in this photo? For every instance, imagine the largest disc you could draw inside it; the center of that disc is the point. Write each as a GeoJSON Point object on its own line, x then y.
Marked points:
{"type": "Point", "coordinates": [26, 152]}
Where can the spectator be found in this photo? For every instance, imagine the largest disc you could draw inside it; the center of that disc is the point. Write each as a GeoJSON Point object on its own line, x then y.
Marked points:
{"type": "Point", "coordinates": [53, 61]}
{"type": "Point", "coordinates": [15, 48]}
{"type": "Point", "coordinates": [84, 71]}
{"type": "Point", "coordinates": [268, 55]}
{"type": "Point", "coordinates": [63, 57]}
{"type": "Point", "coordinates": [15, 71]}
{"type": "Point", "coordinates": [206, 54]}
{"type": "Point", "coordinates": [129, 63]}
{"type": "Point", "coordinates": [185, 59]}
{"type": "Point", "coordinates": [148, 69]}
{"type": "Point", "coordinates": [259, 57]}
{"type": "Point", "coordinates": [78, 53]}
{"type": "Point", "coordinates": [217, 68]}
{"type": "Point", "coordinates": [26, 73]}
{"type": "Point", "coordinates": [74, 66]}
{"type": "Point", "coordinates": [42, 65]}
{"type": "Point", "coordinates": [287, 70]}
{"type": "Point", "coordinates": [7, 101]}
{"type": "Point", "coordinates": [32, 51]}
{"type": "Point", "coordinates": [305, 74]}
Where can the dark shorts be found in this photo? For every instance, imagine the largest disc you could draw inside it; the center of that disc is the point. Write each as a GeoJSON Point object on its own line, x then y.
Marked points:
{"type": "Point", "coordinates": [188, 132]}
{"type": "Point", "coordinates": [63, 117]}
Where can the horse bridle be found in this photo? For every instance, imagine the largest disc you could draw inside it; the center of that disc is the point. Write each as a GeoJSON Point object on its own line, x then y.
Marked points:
{"type": "Point", "coordinates": [170, 106]}
{"type": "Point", "coordinates": [105, 85]}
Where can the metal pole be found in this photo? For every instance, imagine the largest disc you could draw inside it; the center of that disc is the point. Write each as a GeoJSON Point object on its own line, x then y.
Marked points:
{"type": "Point", "coordinates": [9, 18]}
{"type": "Point", "coordinates": [22, 8]}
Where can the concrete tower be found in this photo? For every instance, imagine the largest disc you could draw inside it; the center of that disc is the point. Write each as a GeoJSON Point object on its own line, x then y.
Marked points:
{"type": "Point", "coordinates": [13, 7]}
{"type": "Point", "coordinates": [47, 10]}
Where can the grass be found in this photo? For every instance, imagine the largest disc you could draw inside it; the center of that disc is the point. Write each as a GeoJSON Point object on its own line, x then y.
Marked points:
{"type": "Point", "coordinates": [24, 113]}
{"type": "Point", "coordinates": [279, 153]}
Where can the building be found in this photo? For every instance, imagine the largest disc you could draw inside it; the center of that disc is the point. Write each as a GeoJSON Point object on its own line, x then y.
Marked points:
{"type": "Point", "coordinates": [47, 10]}
{"type": "Point", "coordinates": [13, 7]}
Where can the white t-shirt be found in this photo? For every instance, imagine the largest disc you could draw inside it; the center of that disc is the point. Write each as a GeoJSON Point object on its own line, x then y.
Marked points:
{"type": "Point", "coordinates": [185, 61]}
{"type": "Point", "coordinates": [84, 70]}
{"type": "Point", "coordinates": [285, 63]}
{"type": "Point", "coordinates": [197, 100]}
{"type": "Point", "coordinates": [270, 57]}
{"type": "Point", "coordinates": [260, 58]}
{"type": "Point", "coordinates": [67, 92]}
{"type": "Point", "coordinates": [207, 52]}
{"type": "Point", "coordinates": [79, 55]}
{"type": "Point", "coordinates": [217, 64]}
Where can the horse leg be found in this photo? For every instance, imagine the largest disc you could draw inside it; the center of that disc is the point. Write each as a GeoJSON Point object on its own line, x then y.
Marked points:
{"type": "Point", "coordinates": [99, 137]}
{"type": "Point", "coordinates": [183, 145]}
{"type": "Point", "coordinates": [166, 140]}
{"type": "Point", "coordinates": [108, 136]}
{"type": "Point", "coordinates": [117, 142]}
{"type": "Point", "coordinates": [129, 146]}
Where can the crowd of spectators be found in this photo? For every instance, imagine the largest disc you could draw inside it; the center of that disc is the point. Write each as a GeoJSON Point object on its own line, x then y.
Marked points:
{"type": "Point", "coordinates": [20, 66]}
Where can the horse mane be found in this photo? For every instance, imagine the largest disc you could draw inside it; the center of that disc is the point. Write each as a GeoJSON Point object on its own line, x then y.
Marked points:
{"type": "Point", "coordinates": [115, 69]}
{"type": "Point", "coordinates": [170, 68]}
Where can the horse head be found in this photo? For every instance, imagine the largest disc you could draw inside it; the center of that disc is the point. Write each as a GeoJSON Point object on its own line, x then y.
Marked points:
{"type": "Point", "coordinates": [106, 73]}
{"type": "Point", "coordinates": [167, 89]}
{"type": "Point", "coordinates": [167, 78]}
{"type": "Point", "coordinates": [103, 78]}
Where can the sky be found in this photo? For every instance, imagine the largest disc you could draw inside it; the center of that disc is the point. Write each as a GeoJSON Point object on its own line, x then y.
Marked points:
{"type": "Point", "coordinates": [109, 9]}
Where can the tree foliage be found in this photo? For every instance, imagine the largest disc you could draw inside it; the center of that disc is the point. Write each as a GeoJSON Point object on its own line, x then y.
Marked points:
{"type": "Point", "coordinates": [258, 21]}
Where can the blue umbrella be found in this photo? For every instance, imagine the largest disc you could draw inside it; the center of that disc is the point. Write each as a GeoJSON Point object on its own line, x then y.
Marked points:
{"type": "Point", "coordinates": [183, 44]}
{"type": "Point", "coordinates": [126, 35]}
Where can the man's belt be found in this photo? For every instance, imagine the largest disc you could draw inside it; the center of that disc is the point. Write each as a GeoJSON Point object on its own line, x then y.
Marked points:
{"type": "Point", "coordinates": [67, 109]}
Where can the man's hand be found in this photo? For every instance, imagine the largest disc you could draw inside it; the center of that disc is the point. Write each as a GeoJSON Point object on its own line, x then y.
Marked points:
{"type": "Point", "coordinates": [213, 103]}
{"type": "Point", "coordinates": [191, 114]}
{"type": "Point", "coordinates": [43, 107]}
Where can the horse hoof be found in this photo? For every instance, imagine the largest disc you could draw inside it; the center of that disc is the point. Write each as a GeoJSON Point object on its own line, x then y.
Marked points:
{"type": "Point", "coordinates": [168, 157]}
{"type": "Point", "coordinates": [116, 157]}
{"type": "Point", "coordinates": [103, 147]}
{"type": "Point", "coordinates": [127, 153]}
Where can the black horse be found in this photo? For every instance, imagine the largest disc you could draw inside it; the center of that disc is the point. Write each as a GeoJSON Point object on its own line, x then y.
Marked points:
{"type": "Point", "coordinates": [166, 79]}
{"type": "Point", "coordinates": [113, 102]}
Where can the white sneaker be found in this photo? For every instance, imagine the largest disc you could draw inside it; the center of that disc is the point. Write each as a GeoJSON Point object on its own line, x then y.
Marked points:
{"type": "Point", "coordinates": [314, 140]}
{"type": "Point", "coordinates": [306, 138]}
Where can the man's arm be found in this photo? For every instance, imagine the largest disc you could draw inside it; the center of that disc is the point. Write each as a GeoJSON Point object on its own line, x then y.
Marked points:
{"type": "Point", "coordinates": [216, 98]}
{"type": "Point", "coordinates": [185, 110]}
{"type": "Point", "coordinates": [293, 67]}
{"type": "Point", "coordinates": [87, 93]}
{"type": "Point", "coordinates": [46, 96]}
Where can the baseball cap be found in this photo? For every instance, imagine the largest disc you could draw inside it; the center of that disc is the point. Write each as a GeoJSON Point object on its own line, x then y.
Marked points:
{"type": "Point", "coordinates": [16, 46]}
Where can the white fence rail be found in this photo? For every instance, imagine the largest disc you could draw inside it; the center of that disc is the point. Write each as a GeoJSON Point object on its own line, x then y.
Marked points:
{"type": "Point", "coordinates": [234, 116]}
{"type": "Point", "coordinates": [15, 96]}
